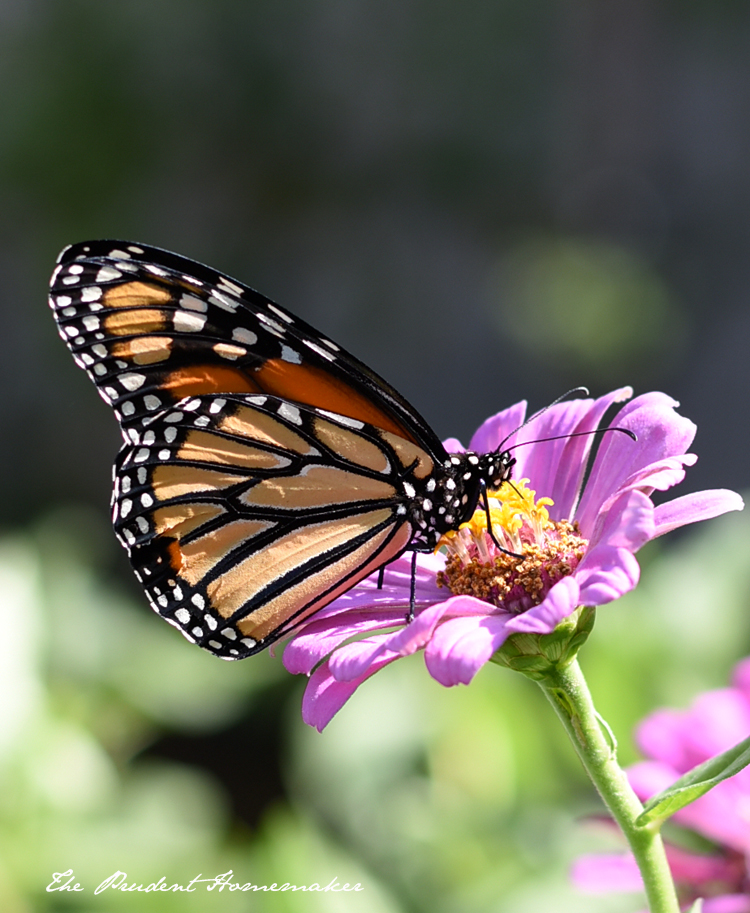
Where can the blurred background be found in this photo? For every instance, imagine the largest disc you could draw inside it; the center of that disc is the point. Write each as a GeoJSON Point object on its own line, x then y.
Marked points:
{"type": "Point", "coordinates": [483, 201]}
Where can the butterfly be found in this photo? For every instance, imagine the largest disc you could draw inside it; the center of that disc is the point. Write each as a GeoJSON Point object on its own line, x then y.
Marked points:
{"type": "Point", "coordinates": [264, 470]}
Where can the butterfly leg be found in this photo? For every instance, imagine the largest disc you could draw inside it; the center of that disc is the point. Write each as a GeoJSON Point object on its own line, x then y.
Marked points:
{"type": "Point", "coordinates": [490, 532]}
{"type": "Point", "coordinates": [381, 576]}
{"type": "Point", "coordinates": [412, 588]}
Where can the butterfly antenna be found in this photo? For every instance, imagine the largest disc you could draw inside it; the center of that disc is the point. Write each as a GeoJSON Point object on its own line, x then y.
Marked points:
{"type": "Point", "coordinates": [584, 390]}
{"type": "Point", "coordinates": [559, 437]}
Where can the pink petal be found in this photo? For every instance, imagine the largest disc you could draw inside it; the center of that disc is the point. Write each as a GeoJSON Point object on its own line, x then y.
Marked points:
{"type": "Point", "coordinates": [324, 696]}
{"type": "Point", "coordinates": [556, 468]}
{"type": "Point", "coordinates": [702, 505]}
{"type": "Point", "coordinates": [662, 433]}
{"type": "Point", "coordinates": [461, 646]}
{"type": "Point", "coordinates": [562, 600]}
{"type": "Point", "coordinates": [605, 574]}
{"type": "Point", "coordinates": [493, 431]}
{"type": "Point", "coordinates": [627, 523]}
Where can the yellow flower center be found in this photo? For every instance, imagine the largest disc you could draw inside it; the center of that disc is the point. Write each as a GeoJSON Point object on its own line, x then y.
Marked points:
{"type": "Point", "coordinates": [543, 550]}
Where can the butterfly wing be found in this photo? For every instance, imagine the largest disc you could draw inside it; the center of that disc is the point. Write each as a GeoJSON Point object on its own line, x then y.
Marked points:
{"type": "Point", "coordinates": [244, 515]}
{"type": "Point", "coordinates": [151, 327]}
{"type": "Point", "coordinates": [265, 469]}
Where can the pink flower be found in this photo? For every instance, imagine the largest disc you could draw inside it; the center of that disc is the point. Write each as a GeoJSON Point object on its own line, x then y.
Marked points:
{"type": "Point", "coordinates": [676, 741]}
{"type": "Point", "coordinates": [579, 548]}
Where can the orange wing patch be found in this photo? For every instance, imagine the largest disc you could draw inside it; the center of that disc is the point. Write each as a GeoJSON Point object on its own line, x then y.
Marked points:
{"type": "Point", "coordinates": [314, 387]}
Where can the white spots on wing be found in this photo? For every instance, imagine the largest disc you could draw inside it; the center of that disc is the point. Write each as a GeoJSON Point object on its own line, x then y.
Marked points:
{"type": "Point", "coordinates": [191, 405]}
{"type": "Point", "coordinates": [86, 358]}
{"type": "Point", "coordinates": [156, 270]}
{"type": "Point", "coordinates": [229, 633]}
{"type": "Point", "coordinates": [146, 499]}
{"type": "Point", "coordinates": [430, 485]}
{"type": "Point", "coordinates": [64, 300]}
{"type": "Point", "coordinates": [107, 274]}
{"type": "Point", "coordinates": [99, 370]}
{"type": "Point", "coordinates": [279, 313]}
{"type": "Point", "coordinates": [170, 434]}
{"type": "Point", "coordinates": [191, 303]}
{"type": "Point", "coordinates": [271, 324]}
{"type": "Point", "coordinates": [174, 417]}
{"type": "Point", "coordinates": [141, 455]}
{"type": "Point", "coordinates": [202, 421]}
{"type": "Point", "coordinates": [426, 504]}
{"type": "Point", "coordinates": [91, 323]}
{"type": "Point", "coordinates": [148, 438]}
{"type": "Point", "coordinates": [132, 382]}
{"type": "Point", "coordinates": [290, 413]}
{"type": "Point", "coordinates": [128, 407]}
{"type": "Point", "coordinates": [317, 349]}
{"type": "Point", "coordinates": [211, 623]}
{"type": "Point", "coordinates": [135, 250]}
{"type": "Point", "coordinates": [230, 286]}
{"type": "Point", "coordinates": [342, 419]}
{"type": "Point", "coordinates": [126, 505]}
{"type": "Point", "coordinates": [71, 331]}
{"type": "Point", "coordinates": [119, 255]}
{"type": "Point", "coordinates": [290, 355]}
{"type": "Point", "coordinates": [125, 484]}
{"type": "Point", "coordinates": [164, 455]}
{"type": "Point", "coordinates": [222, 301]}
{"type": "Point", "coordinates": [183, 616]}
{"type": "Point", "coordinates": [217, 405]}
{"type": "Point", "coordinates": [197, 632]}
{"type": "Point", "coordinates": [133, 435]}
{"type": "Point", "coordinates": [76, 269]}
{"type": "Point", "coordinates": [142, 475]}
{"type": "Point", "coordinates": [69, 312]}
{"type": "Point", "coordinates": [256, 400]}
{"type": "Point", "coordinates": [92, 293]}
{"type": "Point", "coordinates": [331, 345]}
{"type": "Point", "coordinates": [249, 642]}
{"type": "Point", "coordinates": [240, 334]}
{"type": "Point", "coordinates": [162, 601]}
{"type": "Point", "coordinates": [142, 524]}
{"type": "Point", "coordinates": [409, 490]}
{"type": "Point", "coordinates": [151, 402]}
{"type": "Point", "coordinates": [198, 601]}
{"type": "Point", "coordinates": [187, 322]}
{"type": "Point", "coordinates": [473, 459]}
{"type": "Point", "coordinates": [231, 353]}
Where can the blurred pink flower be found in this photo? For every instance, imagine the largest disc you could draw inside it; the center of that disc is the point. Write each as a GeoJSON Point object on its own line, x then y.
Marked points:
{"type": "Point", "coordinates": [582, 545]}
{"type": "Point", "coordinates": [676, 741]}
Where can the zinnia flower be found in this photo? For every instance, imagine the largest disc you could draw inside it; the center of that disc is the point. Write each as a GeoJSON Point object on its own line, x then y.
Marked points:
{"type": "Point", "coordinates": [572, 546]}
{"type": "Point", "coordinates": [677, 741]}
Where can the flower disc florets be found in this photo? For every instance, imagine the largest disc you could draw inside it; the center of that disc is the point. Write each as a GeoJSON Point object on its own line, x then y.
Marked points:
{"type": "Point", "coordinates": [538, 551]}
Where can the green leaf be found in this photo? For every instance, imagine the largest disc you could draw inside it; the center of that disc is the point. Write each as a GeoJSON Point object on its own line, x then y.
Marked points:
{"type": "Point", "coordinates": [695, 783]}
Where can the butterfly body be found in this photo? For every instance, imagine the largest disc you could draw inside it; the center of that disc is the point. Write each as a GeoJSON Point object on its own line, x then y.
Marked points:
{"type": "Point", "coordinates": [265, 470]}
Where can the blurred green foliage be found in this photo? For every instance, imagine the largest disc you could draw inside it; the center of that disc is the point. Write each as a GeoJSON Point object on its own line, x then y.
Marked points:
{"type": "Point", "coordinates": [447, 800]}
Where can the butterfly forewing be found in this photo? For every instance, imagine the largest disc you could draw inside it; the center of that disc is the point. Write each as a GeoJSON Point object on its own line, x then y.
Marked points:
{"type": "Point", "coordinates": [244, 515]}
{"type": "Point", "coordinates": [151, 327]}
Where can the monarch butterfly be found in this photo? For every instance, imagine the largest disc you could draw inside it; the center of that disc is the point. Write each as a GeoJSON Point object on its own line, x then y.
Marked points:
{"type": "Point", "coordinates": [265, 470]}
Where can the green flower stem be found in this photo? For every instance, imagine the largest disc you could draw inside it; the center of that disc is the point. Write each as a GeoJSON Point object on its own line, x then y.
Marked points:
{"type": "Point", "coordinates": [568, 693]}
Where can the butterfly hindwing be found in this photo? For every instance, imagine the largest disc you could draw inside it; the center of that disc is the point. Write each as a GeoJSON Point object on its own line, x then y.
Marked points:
{"type": "Point", "coordinates": [243, 515]}
{"type": "Point", "coordinates": [151, 327]}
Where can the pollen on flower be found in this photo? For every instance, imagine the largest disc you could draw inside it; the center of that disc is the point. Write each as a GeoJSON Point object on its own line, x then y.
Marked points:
{"type": "Point", "coordinates": [543, 551]}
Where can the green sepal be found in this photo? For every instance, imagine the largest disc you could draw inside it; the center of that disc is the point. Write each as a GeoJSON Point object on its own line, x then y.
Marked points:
{"type": "Point", "coordinates": [694, 784]}
{"type": "Point", "coordinates": [535, 655]}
